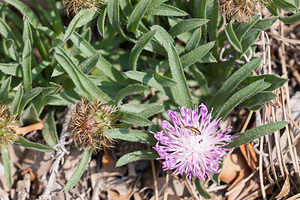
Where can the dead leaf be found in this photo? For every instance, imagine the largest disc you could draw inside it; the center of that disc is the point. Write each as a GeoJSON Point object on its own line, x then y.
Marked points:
{"type": "Point", "coordinates": [285, 188]}
{"type": "Point", "coordinates": [27, 129]}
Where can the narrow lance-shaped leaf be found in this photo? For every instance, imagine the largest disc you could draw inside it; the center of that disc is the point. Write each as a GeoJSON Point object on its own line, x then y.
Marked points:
{"type": "Point", "coordinates": [113, 12]}
{"type": "Point", "coordinates": [12, 69]}
{"type": "Point", "coordinates": [28, 96]}
{"type": "Point", "coordinates": [138, 47]}
{"type": "Point", "coordinates": [183, 94]}
{"type": "Point", "coordinates": [14, 109]}
{"type": "Point", "coordinates": [6, 164]}
{"type": "Point", "coordinates": [81, 18]}
{"type": "Point", "coordinates": [232, 37]}
{"type": "Point", "coordinates": [164, 81]}
{"type": "Point", "coordinates": [137, 155]}
{"type": "Point", "coordinates": [135, 120]}
{"type": "Point", "coordinates": [291, 19]}
{"type": "Point", "coordinates": [26, 65]}
{"type": "Point", "coordinates": [166, 10]}
{"type": "Point", "coordinates": [129, 90]}
{"type": "Point", "coordinates": [130, 135]}
{"type": "Point", "coordinates": [146, 78]}
{"type": "Point", "coordinates": [7, 33]}
{"type": "Point", "coordinates": [88, 88]}
{"type": "Point", "coordinates": [27, 32]}
{"type": "Point", "coordinates": [233, 81]}
{"type": "Point", "coordinates": [85, 159]}
{"type": "Point", "coordinates": [103, 65]}
{"type": "Point", "coordinates": [162, 36]}
{"type": "Point", "coordinates": [274, 80]}
{"type": "Point", "coordinates": [137, 14]}
{"type": "Point", "coordinates": [49, 131]}
{"type": "Point", "coordinates": [4, 89]}
{"type": "Point", "coordinates": [195, 55]}
{"type": "Point", "coordinates": [257, 132]}
{"type": "Point", "coordinates": [148, 112]}
{"type": "Point", "coordinates": [201, 190]}
{"type": "Point", "coordinates": [32, 145]}
{"type": "Point", "coordinates": [100, 22]}
{"type": "Point", "coordinates": [26, 11]}
{"type": "Point", "coordinates": [194, 40]}
{"type": "Point", "coordinates": [238, 97]}
{"type": "Point", "coordinates": [186, 25]}
{"type": "Point", "coordinates": [140, 108]}
{"type": "Point", "coordinates": [258, 100]}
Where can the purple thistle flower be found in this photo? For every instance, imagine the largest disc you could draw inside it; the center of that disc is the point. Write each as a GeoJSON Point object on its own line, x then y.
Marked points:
{"type": "Point", "coordinates": [193, 144]}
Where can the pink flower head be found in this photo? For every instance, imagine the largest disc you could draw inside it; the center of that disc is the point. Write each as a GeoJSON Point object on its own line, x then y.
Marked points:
{"type": "Point", "coordinates": [193, 144]}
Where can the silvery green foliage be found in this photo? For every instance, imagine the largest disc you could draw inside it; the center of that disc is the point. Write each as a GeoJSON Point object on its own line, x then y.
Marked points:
{"type": "Point", "coordinates": [143, 58]}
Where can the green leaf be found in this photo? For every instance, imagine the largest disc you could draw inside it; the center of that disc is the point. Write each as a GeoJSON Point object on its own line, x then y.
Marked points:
{"type": "Point", "coordinates": [274, 80]}
{"type": "Point", "coordinates": [213, 14]}
{"type": "Point", "coordinates": [137, 14]}
{"type": "Point", "coordinates": [29, 115]}
{"type": "Point", "coordinates": [264, 24]}
{"type": "Point", "coordinates": [113, 13]}
{"type": "Point", "coordinates": [233, 81]}
{"type": "Point", "coordinates": [100, 22]}
{"type": "Point", "coordinates": [14, 109]}
{"type": "Point", "coordinates": [27, 32]}
{"type": "Point", "coordinates": [291, 19]}
{"type": "Point", "coordinates": [102, 64]}
{"type": "Point", "coordinates": [26, 11]}
{"type": "Point", "coordinates": [201, 190]}
{"type": "Point", "coordinates": [32, 145]}
{"type": "Point", "coordinates": [28, 96]}
{"type": "Point", "coordinates": [194, 40]}
{"type": "Point", "coordinates": [126, 7]}
{"type": "Point", "coordinates": [164, 81]}
{"type": "Point", "coordinates": [136, 156]}
{"type": "Point", "coordinates": [258, 100]}
{"type": "Point", "coordinates": [138, 47]}
{"type": "Point", "coordinates": [6, 164]}
{"type": "Point", "coordinates": [4, 90]}
{"type": "Point", "coordinates": [250, 38]}
{"type": "Point", "coordinates": [85, 159]}
{"type": "Point", "coordinates": [244, 27]}
{"type": "Point", "coordinates": [272, 7]}
{"type": "Point", "coordinates": [131, 135]}
{"type": "Point", "coordinates": [56, 20]}
{"type": "Point", "coordinates": [186, 26]}
{"type": "Point", "coordinates": [257, 132]}
{"type": "Point", "coordinates": [135, 120]}
{"type": "Point", "coordinates": [26, 65]}
{"type": "Point", "coordinates": [5, 30]}
{"type": "Point", "coordinates": [238, 97]}
{"type": "Point", "coordinates": [146, 78]}
{"type": "Point", "coordinates": [9, 49]}
{"type": "Point", "coordinates": [200, 78]}
{"type": "Point", "coordinates": [80, 19]}
{"type": "Point", "coordinates": [130, 90]}
{"type": "Point", "coordinates": [162, 36]}
{"type": "Point", "coordinates": [288, 5]}
{"type": "Point", "coordinates": [183, 95]}
{"type": "Point", "coordinates": [232, 37]}
{"type": "Point", "coordinates": [90, 63]}
{"type": "Point", "coordinates": [196, 55]}
{"type": "Point", "coordinates": [142, 109]}
{"type": "Point", "coordinates": [49, 131]}
{"type": "Point", "coordinates": [166, 10]}
{"type": "Point", "coordinates": [82, 82]}
{"type": "Point", "coordinates": [150, 111]}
